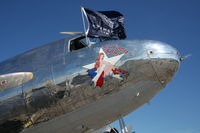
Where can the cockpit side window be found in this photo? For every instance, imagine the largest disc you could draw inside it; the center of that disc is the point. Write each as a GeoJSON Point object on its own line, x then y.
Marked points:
{"type": "Point", "coordinates": [77, 44]}
{"type": "Point", "coordinates": [81, 42]}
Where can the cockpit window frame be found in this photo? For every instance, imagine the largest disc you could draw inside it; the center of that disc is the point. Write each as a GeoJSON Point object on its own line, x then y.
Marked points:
{"type": "Point", "coordinates": [75, 38]}
{"type": "Point", "coordinates": [82, 36]}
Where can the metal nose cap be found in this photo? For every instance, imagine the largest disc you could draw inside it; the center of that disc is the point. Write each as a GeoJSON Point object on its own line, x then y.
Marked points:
{"type": "Point", "coordinates": [156, 49]}
{"type": "Point", "coordinates": [165, 60]}
{"type": "Point", "coordinates": [165, 69]}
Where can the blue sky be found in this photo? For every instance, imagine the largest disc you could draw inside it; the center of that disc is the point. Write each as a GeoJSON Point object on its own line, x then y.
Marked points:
{"type": "Point", "coordinates": [28, 24]}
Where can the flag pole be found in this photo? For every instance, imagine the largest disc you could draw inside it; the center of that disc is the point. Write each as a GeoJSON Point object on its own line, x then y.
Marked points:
{"type": "Point", "coordinates": [84, 25]}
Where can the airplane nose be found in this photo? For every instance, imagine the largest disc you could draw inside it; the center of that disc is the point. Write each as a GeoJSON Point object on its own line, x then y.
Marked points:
{"type": "Point", "coordinates": [165, 60]}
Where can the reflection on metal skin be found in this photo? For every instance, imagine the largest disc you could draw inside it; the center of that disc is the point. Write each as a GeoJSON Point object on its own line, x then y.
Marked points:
{"type": "Point", "coordinates": [62, 97]}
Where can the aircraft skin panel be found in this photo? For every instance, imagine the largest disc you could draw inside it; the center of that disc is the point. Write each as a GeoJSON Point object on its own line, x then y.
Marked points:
{"type": "Point", "coordinates": [92, 114]}
{"type": "Point", "coordinates": [63, 91]}
{"type": "Point", "coordinates": [36, 58]}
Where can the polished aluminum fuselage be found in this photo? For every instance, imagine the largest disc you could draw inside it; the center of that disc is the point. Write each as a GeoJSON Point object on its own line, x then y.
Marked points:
{"type": "Point", "coordinates": [61, 97]}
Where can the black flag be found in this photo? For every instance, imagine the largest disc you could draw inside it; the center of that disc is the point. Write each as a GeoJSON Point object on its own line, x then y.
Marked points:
{"type": "Point", "coordinates": [106, 23]}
